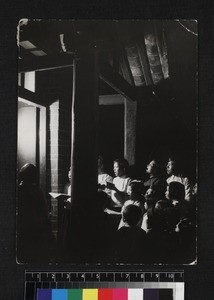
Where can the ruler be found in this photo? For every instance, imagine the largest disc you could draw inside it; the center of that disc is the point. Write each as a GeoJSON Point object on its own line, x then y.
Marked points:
{"type": "Point", "coordinates": [35, 280]}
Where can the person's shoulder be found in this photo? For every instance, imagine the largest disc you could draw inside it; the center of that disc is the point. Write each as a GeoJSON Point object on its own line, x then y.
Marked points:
{"type": "Point", "coordinates": [124, 230]}
{"type": "Point", "coordinates": [186, 180]}
{"type": "Point", "coordinates": [175, 178]}
{"type": "Point", "coordinates": [128, 202]}
{"type": "Point", "coordinates": [120, 233]}
{"type": "Point", "coordinates": [127, 180]}
{"type": "Point", "coordinates": [155, 181]}
{"type": "Point", "coordinates": [115, 179]}
{"type": "Point", "coordinates": [108, 177]}
{"type": "Point", "coordinates": [140, 230]}
{"type": "Point", "coordinates": [169, 179]}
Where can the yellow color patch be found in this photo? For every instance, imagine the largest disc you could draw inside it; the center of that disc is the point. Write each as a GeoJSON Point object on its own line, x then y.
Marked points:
{"type": "Point", "coordinates": [90, 294]}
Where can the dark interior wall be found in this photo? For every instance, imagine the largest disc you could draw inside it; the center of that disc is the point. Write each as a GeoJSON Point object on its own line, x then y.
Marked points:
{"type": "Point", "coordinates": [57, 84]}
{"type": "Point", "coordinates": [167, 126]}
{"type": "Point", "coordinates": [161, 134]}
{"type": "Point", "coordinates": [111, 134]}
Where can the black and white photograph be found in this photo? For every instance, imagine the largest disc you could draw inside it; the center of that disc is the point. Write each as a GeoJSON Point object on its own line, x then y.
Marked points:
{"type": "Point", "coordinates": [107, 141]}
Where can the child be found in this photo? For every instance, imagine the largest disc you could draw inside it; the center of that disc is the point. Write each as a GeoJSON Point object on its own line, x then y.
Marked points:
{"type": "Point", "coordinates": [150, 201]}
{"type": "Point", "coordinates": [135, 198]}
{"type": "Point", "coordinates": [130, 240]}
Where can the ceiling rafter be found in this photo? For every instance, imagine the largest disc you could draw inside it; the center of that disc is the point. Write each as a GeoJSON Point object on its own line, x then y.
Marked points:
{"type": "Point", "coordinates": [46, 63]}
{"type": "Point", "coordinates": [117, 82]}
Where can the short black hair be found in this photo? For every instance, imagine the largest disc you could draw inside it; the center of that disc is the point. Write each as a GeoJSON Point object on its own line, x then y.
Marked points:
{"type": "Point", "coordinates": [176, 190]}
{"type": "Point", "coordinates": [132, 214]}
{"type": "Point", "coordinates": [122, 163]}
{"type": "Point", "coordinates": [28, 174]}
{"type": "Point", "coordinates": [136, 186]}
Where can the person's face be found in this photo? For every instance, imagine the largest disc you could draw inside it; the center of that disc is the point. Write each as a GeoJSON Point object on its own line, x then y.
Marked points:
{"type": "Point", "coordinates": [167, 193]}
{"type": "Point", "coordinates": [170, 168]}
{"type": "Point", "coordinates": [150, 167]}
{"type": "Point", "coordinates": [149, 192]}
{"type": "Point", "coordinates": [69, 174]}
{"type": "Point", "coordinates": [117, 170]}
{"type": "Point", "coordinates": [129, 190]}
{"type": "Point", "coordinates": [195, 189]}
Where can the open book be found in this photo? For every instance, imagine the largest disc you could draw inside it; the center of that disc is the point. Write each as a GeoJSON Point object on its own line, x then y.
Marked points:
{"type": "Point", "coordinates": [60, 196]}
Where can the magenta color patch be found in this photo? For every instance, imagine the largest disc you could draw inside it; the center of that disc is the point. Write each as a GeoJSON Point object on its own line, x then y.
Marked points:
{"type": "Point", "coordinates": [120, 294]}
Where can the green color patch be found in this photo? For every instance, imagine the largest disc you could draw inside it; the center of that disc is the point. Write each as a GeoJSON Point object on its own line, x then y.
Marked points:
{"type": "Point", "coordinates": [74, 294]}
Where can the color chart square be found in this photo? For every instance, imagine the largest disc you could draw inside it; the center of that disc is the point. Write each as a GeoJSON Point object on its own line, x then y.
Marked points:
{"type": "Point", "coordinates": [120, 294]}
{"type": "Point", "coordinates": [75, 294]}
{"type": "Point", "coordinates": [151, 294]}
{"type": "Point", "coordinates": [106, 294]}
{"type": "Point", "coordinates": [90, 294]}
{"type": "Point", "coordinates": [135, 294]}
{"type": "Point", "coordinates": [44, 294]}
{"type": "Point", "coordinates": [59, 294]}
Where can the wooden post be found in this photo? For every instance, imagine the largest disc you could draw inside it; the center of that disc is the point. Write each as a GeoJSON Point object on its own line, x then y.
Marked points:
{"type": "Point", "coordinates": [85, 102]}
{"type": "Point", "coordinates": [130, 130]}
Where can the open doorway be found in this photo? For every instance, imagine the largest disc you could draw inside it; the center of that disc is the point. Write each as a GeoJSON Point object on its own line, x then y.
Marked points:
{"type": "Point", "coordinates": [31, 143]}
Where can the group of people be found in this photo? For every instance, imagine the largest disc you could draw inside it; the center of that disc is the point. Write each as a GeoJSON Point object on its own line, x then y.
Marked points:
{"type": "Point", "coordinates": [131, 220]}
{"type": "Point", "coordinates": [157, 217]}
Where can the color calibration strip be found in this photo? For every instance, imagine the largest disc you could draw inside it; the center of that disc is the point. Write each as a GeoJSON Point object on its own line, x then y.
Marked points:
{"type": "Point", "coordinates": [104, 285]}
{"type": "Point", "coordinates": [105, 294]}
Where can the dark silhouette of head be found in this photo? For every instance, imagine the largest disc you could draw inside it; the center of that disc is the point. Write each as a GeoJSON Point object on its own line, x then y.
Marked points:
{"type": "Point", "coordinates": [134, 188]}
{"type": "Point", "coordinates": [175, 190]}
{"type": "Point", "coordinates": [131, 214]}
{"type": "Point", "coordinates": [162, 204]}
{"type": "Point", "coordinates": [28, 174]}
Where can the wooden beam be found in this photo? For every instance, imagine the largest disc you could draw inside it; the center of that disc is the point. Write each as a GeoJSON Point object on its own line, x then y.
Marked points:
{"type": "Point", "coordinates": [124, 62]}
{"type": "Point", "coordinates": [127, 73]}
{"type": "Point", "coordinates": [130, 131]}
{"type": "Point", "coordinates": [141, 47]}
{"type": "Point", "coordinates": [47, 62]}
{"type": "Point", "coordinates": [117, 82]}
{"type": "Point", "coordinates": [25, 54]}
{"type": "Point", "coordinates": [30, 96]}
{"type": "Point", "coordinates": [111, 100]}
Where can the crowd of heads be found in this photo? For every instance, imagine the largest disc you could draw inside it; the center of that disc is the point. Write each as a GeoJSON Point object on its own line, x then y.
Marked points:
{"type": "Point", "coordinates": [153, 219]}
{"type": "Point", "coordinates": [160, 207]}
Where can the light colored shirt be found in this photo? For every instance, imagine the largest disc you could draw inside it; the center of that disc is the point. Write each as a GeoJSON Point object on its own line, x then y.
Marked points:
{"type": "Point", "coordinates": [184, 181]}
{"type": "Point", "coordinates": [103, 179]}
{"type": "Point", "coordinates": [121, 185]}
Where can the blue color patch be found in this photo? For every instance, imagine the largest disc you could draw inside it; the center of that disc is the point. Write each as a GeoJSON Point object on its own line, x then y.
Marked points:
{"type": "Point", "coordinates": [59, 294]}
{"type": "Point", "coordinates": [44, 294]}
